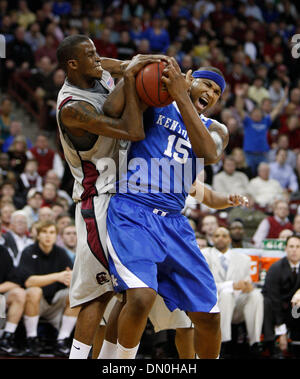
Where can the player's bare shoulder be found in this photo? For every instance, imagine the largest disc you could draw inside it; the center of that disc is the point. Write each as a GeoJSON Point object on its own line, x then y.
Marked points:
{"type": "Point", "coordinates": [77, 114]}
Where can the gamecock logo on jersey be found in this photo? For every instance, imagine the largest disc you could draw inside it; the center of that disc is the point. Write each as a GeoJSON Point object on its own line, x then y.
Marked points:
{"type": "Point", "coordinates": [102, 278]}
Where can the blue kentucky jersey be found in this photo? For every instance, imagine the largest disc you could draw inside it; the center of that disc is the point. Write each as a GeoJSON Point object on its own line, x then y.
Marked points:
{"type": "Point", "coordinates": [162, 167]}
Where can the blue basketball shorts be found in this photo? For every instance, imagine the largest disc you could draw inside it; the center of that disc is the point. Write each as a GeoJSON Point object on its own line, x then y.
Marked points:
{"type": "Point", "coordinates": [148, 248]}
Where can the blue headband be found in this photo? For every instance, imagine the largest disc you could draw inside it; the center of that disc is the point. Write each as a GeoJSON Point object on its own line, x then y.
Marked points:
{"type": "Point", "coordinates": [218, 79]}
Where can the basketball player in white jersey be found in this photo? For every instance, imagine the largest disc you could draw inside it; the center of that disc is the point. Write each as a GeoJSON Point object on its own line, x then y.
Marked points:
{"type": "Point", "coordinates": [88, 138]}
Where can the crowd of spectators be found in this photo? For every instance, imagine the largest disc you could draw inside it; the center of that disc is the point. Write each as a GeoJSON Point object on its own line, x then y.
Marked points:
{"type": "Point", "coordinates": [249, 41]}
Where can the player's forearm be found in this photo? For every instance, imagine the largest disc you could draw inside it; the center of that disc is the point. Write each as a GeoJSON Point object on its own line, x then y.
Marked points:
{"type": "Point", "coordinates": [132, 116]}
{"type": "Point", "coordinates": [114, 66]}
{"type": "Point", "coordinates": [210, 198]}
{"type": "Point", "coordinates": [202, 142]}
{"type": "Point", "coordinates": [115, 103]}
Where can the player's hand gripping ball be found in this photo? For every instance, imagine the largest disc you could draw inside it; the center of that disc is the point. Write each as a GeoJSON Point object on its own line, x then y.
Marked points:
{"type": "Point", "coordinates": [151, 90]}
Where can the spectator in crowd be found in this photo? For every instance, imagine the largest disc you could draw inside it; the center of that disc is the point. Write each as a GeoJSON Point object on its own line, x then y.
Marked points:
{"type": "Point", "coordinates": [296, 224]}
{"type": "Point", "coordinates": [126, 48]}
{"type": "Point", "coordinates": [62, 220]}
{"type": "Point", "coordinates": [47, 158]}
{"type": "Point", "coordinates": [69, 240]}
{"type": "Point", "coordinates": [256, 127]}
{"type": "Point", "coordinates": [257, 92]}
{"type": "Point", "coordinates": [52, 177]}
{"type": "Point", "coordinates": [34, 37]}
{"type": "Point", "coordinates": [208, 227]}
{"type": "Point", "coordinates": [276, 92]}
{"type": "Point", "coordinates": [237, 235]}
{"type": "Point", "coordinates": [297, 169]}
{"type": "Point", "coordinates": [46, 214]}
{"type": "Point", "coordinates": [283, 143]}
{"type": "Point", "coordinates": [57, 209]}
{"type": "Point", "coordinates": [6, 173]}
{"type": "Point", "coordinates": [16, 239]}
{"type": "Point", "coordinates": [29, 178]}
{"type": "Point", "coordinates": [285, 233]}
{"type": "Point", "coordinates": [48, 49]}
{"type": "Point", "coordinates": [271, 226]}
{"type": "Point", "coordinates": [103, 44]}
{"type": "Point", "coordinates": [157, 35]}
{"type": "Point", "coordinates": [281, 283]}
{"type": "Point", "coordinates": [15, 129]}
{"type": "Point", "coordinates": [263, 189]}
{"type": "Point", "coordinates": [281, 171]}
{"type": "Point", "coordinates": [15, 301]}
{"type": "Point", "coordinates": [17, 154]}
{"type": "Point", "coordinates": [34, 203]}
{"type": "Point", "coordinates": [45, 271]}
{"type": "Point", "coordinates": [201, 240]}
{"type": "Point", "coordinates": [238, 300]}
{"type": "Point", "coordinates": [240, 160]}
{"type": "Point", "coordinates": [6, 211]}
{"type": "Point", "coordinates": [230, 180]}
{"type": "Point", "coordinates": [8, 190]}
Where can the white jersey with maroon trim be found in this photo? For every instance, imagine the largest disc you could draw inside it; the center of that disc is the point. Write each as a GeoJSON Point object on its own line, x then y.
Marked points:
{"type": "Point", "coordinates": [92, 169]}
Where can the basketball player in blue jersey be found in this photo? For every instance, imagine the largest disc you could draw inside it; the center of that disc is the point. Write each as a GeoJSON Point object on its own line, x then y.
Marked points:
{"type": "Point", "coordinates": [152, 248]}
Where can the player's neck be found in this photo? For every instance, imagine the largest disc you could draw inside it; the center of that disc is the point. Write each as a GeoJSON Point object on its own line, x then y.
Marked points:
{"type": "Point", "coordinates": [81, 82]}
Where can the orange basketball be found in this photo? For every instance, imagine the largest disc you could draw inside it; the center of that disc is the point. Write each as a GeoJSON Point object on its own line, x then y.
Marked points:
{"type": "Point", "coordinates": [149, 86]}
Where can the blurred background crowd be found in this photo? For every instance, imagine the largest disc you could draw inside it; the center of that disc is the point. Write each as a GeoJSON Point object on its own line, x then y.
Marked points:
{"type": "Point", "coordinates": [249, 41]}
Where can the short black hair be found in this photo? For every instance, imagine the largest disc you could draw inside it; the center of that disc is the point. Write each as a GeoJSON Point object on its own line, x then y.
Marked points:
{"type": "Point", "coordinates": [292, 236]}
{"type": "Point", "coordinates": [67, 49]}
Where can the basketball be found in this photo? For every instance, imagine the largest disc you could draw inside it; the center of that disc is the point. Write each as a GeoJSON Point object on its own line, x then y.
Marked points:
{"type": "Point", "coordinates": [149, 86]}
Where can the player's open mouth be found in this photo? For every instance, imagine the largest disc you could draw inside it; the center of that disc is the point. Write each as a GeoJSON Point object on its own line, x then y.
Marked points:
{"type": "Point", "coordinates": [202, 102]}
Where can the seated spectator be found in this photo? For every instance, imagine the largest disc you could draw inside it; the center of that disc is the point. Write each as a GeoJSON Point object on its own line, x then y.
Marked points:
{"type": "Point", "coordinates": [276, 92]}
{"type": "Point", "coordinates": [238, 300]}
{"type": "Point", "coordinates": [291, 127]}
{"type": "Point", "coordinates": [271, 226]}
{"type": "Point", "coordinates": [283, 143]}
{"type": "Point", "coordinates": [6, 211]}
{"type": "Point", "coordinates": [208, 227]}
{"type": "Point", "coordinates": [15, 302]}
{"type": "Point", "coordinates": [34, 37]}
{"type": "Point", "coordinates": [126, 48]}
{"type": "Point", "coordinates": [47, 158]}
{"type": "Point", "coordinates": [240, 161]}
{"type": "Point", "coordinates": [52, 177]}
{"type": "Point", "coordinates": [69, 240]}
{"type": "Point", "coordinates": [297, 169]}
{"type": "Point", "coordinates": [34, 203]}
{"type": "Point", "coordinates": [230, 180]}
{"type": "Point", "coordinates": [235, 135]}
{"type": "Point", "coordinates": [29, 178]}
{"type": "Point", "coordinates": [48, 49]}
{"type": "Point", "coordinates": [45, 271]}
{"type": "Point", "coordinates": [257, 92]}
{"type": "Point", "coordinates": [63, 220]}
{"type": "Point", "coordinates": [50, 195]}
{"type": "Point", "coordinates": [250, 216]}
{"type": "Point", "coordinates": [15, 129]}
{"type": "Point", "coordinates": [237, 235]}
{"type": "Point", "coordinates": [285, 233]}
{"type": "Point", "coordinates": [281, 171]}
{"type": "Point", "coordinates": [281, 283]}
{"type": "Point", "coordinates": [256, 128]}
{"type": "Point", "coordinates": [103, 44]}
{"type": "Point", "coordinates": [16, 239]}
{"type": "Point", "coordinates": [201, 240]}
{"type": "Point", "coordinates": [7, 189]}
{"type": "Point", "coordinates": [296, 224]}
{"type": "Point", "coordinates": [17, 154]}
{"type": "Point", "coordinates": [46, 214]}
{"type": "Point", "coordinates": [263, 189]}
{"type": "Point", "coordinates": [24, 15]}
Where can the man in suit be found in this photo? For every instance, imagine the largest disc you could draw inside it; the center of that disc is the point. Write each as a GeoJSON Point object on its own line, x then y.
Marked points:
{"type": "Point", "coordinates": [238, 300]}
{"type": "Point", "coordinates": [281, 283]}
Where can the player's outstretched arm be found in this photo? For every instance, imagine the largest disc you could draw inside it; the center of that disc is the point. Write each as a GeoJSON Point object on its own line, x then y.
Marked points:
{"type": "Point", "coordinates": [216, 200]}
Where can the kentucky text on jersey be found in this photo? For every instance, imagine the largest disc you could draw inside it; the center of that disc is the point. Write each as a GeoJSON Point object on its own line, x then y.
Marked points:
{"type": "Point", "coordinates": [161, 168]}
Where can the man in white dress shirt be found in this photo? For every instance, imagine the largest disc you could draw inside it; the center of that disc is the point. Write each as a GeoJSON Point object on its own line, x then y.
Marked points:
{"type": "Point", "coordinates": [238, 300]}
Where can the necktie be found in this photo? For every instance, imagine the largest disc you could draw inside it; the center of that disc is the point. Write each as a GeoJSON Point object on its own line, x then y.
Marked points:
{"type": "Point", "coordinates": [294, 275]}
{"type": "Point", "coordinates": [224, 263]}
